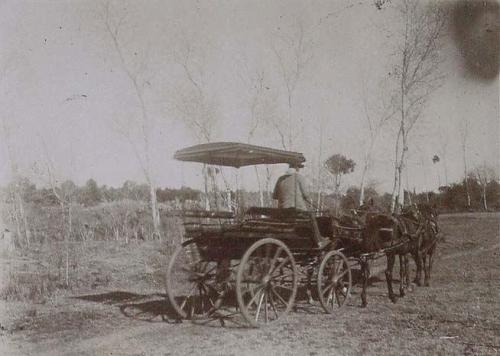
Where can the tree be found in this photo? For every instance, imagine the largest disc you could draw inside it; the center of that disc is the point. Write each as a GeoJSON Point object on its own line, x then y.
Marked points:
{"type": "Point", "coordinates": [293, 52]}
{"type": "Point", "coordinates": [261, 104]}
{"type": "Point", "coordinates": [338, 165]}
{"type": "Point", "coordinates": [64, 195]}
{"type": "Point", "coordinates": [464, 135]}
{"type": "Point", "coordinates": [416, 75]}
{"type": "Point", "coordinates": [90, 194]}
{"type": "Point", "coordinates": [320, 174]}
{"type": "Point", "coordinates": [20, 217]}
{"type": "Point", "coordinates": [376, 116]}
{"type": "Point", "coordinates": [113, 25]}
{"type": "Point", "coordinates": [484, 174]}
{"type": "Point", "coordinates": [443, 152]}
{"type": "Point", "coordinates": [193, 104]}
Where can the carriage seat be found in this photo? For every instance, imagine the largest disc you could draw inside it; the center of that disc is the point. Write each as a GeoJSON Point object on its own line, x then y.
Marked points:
{"type": "Point", "coordinates": [299, 220]}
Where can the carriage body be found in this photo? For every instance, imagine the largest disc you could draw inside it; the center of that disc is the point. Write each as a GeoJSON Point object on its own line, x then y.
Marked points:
{"type": "Point", "coordinates": [218, 239]}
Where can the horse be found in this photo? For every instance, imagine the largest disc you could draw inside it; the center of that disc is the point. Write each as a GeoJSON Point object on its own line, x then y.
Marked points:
{"type": "Point", "coordinates": [394, 236]}
{"type": "Point", "coordinates": [425, 253]}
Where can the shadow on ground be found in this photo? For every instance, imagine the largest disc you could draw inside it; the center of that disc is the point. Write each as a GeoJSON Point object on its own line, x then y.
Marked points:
{"type": "Point", "coordinates": [157, 308]}
{"type": "Point", "coordinates": [146, 307]}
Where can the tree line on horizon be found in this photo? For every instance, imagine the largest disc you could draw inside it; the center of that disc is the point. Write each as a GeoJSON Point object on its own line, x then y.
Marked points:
{"type": "Point", "coordinates": [474, 194]}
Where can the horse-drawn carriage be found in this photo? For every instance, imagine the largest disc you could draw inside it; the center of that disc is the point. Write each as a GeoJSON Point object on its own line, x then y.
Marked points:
{"type": "Point", "coordinates": [260, 258]}
{"type": "Point", "coordinates": [253, 265]}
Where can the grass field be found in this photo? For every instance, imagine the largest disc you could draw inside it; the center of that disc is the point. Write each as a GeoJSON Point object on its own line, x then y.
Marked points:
{"type": "Point", "coordinates": [115, 305]}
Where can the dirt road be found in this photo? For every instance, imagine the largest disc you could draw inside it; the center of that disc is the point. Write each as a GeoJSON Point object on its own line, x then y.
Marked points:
{"type": "Point", "coordinates": [458, 314]}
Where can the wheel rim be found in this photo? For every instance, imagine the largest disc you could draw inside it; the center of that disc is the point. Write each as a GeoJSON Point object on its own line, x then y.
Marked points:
{"type": "Point", "coordinates": [266, 282]}
{"type": "Point", "coordinates": [190, 283]}
{"type": "Point", "coordinates": [334, 281]}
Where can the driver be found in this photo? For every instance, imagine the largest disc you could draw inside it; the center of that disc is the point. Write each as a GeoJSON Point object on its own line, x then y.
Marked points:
{"type": "Point", "coordinates": [291, 193]}
{"type": "Point", "coordinates": [290, 190]}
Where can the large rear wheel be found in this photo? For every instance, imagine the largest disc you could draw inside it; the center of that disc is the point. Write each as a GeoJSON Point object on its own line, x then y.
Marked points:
{"type": "Point", "coordinates": [266, 282]}
{"type": "Point", "coordinates": [191, 283]}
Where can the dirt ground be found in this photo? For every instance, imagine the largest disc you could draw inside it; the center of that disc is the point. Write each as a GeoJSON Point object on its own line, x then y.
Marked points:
{"type": "Point", "coordinates": [458, 314]}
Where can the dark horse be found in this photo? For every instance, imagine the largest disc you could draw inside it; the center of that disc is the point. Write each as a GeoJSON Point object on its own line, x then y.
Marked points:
{"type": "Point", "coordinates": [424, 254]}
{"type": "Point", "coordinates": [392, 235]}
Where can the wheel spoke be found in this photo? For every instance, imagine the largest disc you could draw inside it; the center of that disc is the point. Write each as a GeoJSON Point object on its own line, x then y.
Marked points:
{"type": "Point", "coordinates": [265, 308]}
{"type": "Point", "coordinates": [271, 299]}
{"type": "Point", "coordinates": [330, 297]}
{"type": "Point", "coordinates": [250, 281]}
{"type": "Point", "coordinates": [341, 291]}
{"type": "Point", "coordinates": [328, 287]}
{"type": "Point", "coordinates": [284, 287]}
{"type": "Point", "coordinates": [337, 298]}
{"type": "Point", "coordinates": [279, 296]}
{"type": "Point", "coordinates": [343, 274]}
{"type": "Point", "coordinates": [275, 258]}
{"type": "Point", "coordinates": [184, 302]}
{"type": "Point", "coordinates": [254, 297]}
{"type": "Point", "coordinates": [189, 295]}
{"type": "Point", "coordinates": [337, 266]}
{"type": "Point", "coordinates": [205, 288]}
{"type": "Point", "coordinates": [282, 263]}
{"type": "Point", "coordinates": [202, 304]}
{"type": "Point", "coordinates": [192, 309]}
{"type": "Point", "coordinates": [260, 305]}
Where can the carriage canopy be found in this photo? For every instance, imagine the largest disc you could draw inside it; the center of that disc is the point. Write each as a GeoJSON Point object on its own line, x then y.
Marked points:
{"type": "Point", "coordinates": [234, 154]}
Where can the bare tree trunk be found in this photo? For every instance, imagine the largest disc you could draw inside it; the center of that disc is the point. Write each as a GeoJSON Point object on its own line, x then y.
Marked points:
{"type": "Point", "coordinates": [261, 193]}
{"type": "Point", "coordinates": [394, 195]}
{"type": "Point", "coordinates": [205, 186]}
{"type": "Point", "coordinates": [362, 185]}
{"type": "Point", "coordinates": [464, 133]}
{"type": "Point", "coordinates": [145, 120]}
{"type": "Point", "coordinates": [466, 182]}
{"type": "Point", "coordinates": [18, 224]}
{"type": "Point", "coordinates": [18, 199]}
{"type": "Point", "coordinates": [485, 204]}
{"type": "Point", "coordinates": [22, 216]}
{"type": "Point", "coordinates": [268, 190]}
{"type": "Point", "coordinates": [445, 171]}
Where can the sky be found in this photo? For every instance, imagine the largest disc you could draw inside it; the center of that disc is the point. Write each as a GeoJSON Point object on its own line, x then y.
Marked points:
{"type": "Point", "coordinates": [66, 95]}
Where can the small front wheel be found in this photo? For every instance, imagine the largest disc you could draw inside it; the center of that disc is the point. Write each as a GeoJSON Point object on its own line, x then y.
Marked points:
{"type": "Point", "coordinates": [334, 281]}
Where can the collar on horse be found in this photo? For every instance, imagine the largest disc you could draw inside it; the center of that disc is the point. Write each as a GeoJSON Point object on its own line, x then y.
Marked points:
{"type": "Point", "coordinates": [403, 222]}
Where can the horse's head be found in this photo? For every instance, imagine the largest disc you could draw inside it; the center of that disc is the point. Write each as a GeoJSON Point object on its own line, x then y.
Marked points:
{"type": "Point", "coordinates": [379, 229]}
{"type": "Point", "coordinates": [411, 212]}
{"type": "Point", "coordinates": [428, 211]}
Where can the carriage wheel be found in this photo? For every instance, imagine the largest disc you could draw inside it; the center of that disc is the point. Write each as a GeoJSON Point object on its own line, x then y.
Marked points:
{"type": "Point", "coordinates": [266, 282]}
{"type": "Point", "coordinates": [334, 281]}
{"type": "Point", "coordinates": [190, 283]}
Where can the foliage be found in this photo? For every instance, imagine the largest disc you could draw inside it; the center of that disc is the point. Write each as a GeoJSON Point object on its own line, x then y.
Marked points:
{"type": "Point", "coordinates": [338, 164]}
{"type": "Point", "coordinates": [91, 194]}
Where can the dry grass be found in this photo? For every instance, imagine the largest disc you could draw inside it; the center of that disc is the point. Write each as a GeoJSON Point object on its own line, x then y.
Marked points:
{"type": "Point", "coordinates": [458, 314]}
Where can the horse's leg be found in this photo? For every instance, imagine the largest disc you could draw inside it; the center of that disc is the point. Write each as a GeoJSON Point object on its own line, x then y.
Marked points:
{"type": "Point", "coordinates": [388, 275]}
{"type": "Point", "coordinates": [310, 299]}
{"type": "Point", "coordinates": [402, 275]}
{"type": "Point", "coordinates": [365, 275]}
{"type": "Point", "coordinates": [428, 268]}
{"type": "Point", "coordinates": [408, 282]}
{"type": "Point", "coordinates": [417, 256]}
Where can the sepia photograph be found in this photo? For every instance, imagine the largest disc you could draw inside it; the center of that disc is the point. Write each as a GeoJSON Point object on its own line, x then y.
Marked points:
{"type": "Point", "coordinates": [249, 177]}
